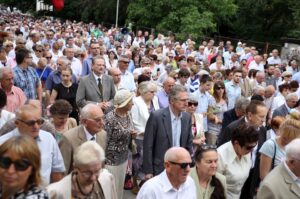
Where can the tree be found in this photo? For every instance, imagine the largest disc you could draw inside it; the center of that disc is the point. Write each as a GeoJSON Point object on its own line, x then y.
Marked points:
{"type": "Point", "coordinates": [183, 17]}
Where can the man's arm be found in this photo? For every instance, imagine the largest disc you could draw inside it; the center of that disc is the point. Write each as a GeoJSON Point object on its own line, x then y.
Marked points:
{"type": "Point", "coordinates": [80, 95]}
{"type": "Point", "coordinates": [39, 91]}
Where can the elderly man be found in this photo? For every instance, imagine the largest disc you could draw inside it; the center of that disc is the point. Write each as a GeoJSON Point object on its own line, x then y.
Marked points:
{"type": "Point", "coordinates": [115, 73]}
{"type": "Point", "coordinates": [163, 95]}
{"type": "Point", "coordinates": [290, 101]}
{"type": "Point", "coordinates": [127, 79]}
{"type": "Point", "coordinates": [87, 63]}
{"type": "Point", "coordinates": [25, 77]}
{"type": "Point", "coordinates": [28, 122]}
{"type": "Point", "coordinates": [274, 59]}
{"type": "Point", "coordinates": [167, 127]}
{"type": "Point", "coordinates": [257, 63]}
{"type": "Point", "coordinates": [283, 181]}
{"type": "Point", "coordinates": [89, 174]}
{"type": "Point", "coordinates": [97, 87]}
{"type": "Point", "coordinates": [75, 63]}
{"type": "Point", "coordinates": [91, 128]}
{"type": "Point", "coordinates": [174, 181]}
{"type": "Point", "coordinates": [259, 80]}
{"type": "Point", "coordinates": [15, 96]}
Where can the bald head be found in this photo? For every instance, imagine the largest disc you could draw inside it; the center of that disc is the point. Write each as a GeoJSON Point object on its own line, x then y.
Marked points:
{"type": "Point", "coordinates": [115, 73]}
{"type": "Point", "coordinates": [176, 154]}
{"type": "Point", "coordinates": [269, 91]}
{"type": "Point", "coordinates": [168, 84]}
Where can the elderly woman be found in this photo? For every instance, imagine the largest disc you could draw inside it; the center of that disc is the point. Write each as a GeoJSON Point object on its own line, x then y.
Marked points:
{"type": "Point", "coordinates": [209, 183]}
{"type": "Point", "coordinates": [60, 119]}
{"type": "Point", "coordinates": [197, 122]}
{"type": "Point", "coordinates": [272, 151]}
{"type": "Point", "coordinates": [20, 163]}
{"type": "Point", "coordinates": [120, 131]}
{"type": "Point", "coordinates": [144, 104]}
{"type": "Point", "coordinates": [235, 158]}
{"type": "Point", "coordinates": [88, 179]}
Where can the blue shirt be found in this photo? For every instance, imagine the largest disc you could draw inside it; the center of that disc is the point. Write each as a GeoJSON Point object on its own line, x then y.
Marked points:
{"type": "Point", "coordinates": [176, 128]}
{"type": "Point", "coordinates": [296, 77]}
{"type": "Point", "coordinates": [86, 66]}
{"type": "Point", "coordinates": [233, 92]}
{"type": "Point", "coordinates": [163, 99]}
{"type": "Point", "coordinates": [204, 100]}
{"type": "Point", "coordinates": [43, 75]}
{"type": "Point", "coordinates": [55, 78]}
{"type": "Point", "coordinates": [27, 80]}
{"type": "Point", "coordinates": [51, 158]}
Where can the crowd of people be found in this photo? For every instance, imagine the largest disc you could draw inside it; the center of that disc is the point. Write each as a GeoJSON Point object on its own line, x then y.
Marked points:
{"type": "Point", "coordinates": [87, 112]}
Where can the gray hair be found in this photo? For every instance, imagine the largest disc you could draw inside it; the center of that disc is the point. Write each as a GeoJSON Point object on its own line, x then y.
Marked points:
{"type": "Point", "coordinates": [3, 70]}
{"type": "Point", "coordinates": [176, 89]}
{"type": "Point", "coordinates": [88, 153]}
{"type": "Point", "coordinates": [193, 98]}
{"type": "Point", "coordinates": [86, 111]}
{"type": "Point", "coordinates": [257, 89]}
{"type": "Point", "coordinates": [241, 103]}
{"type": "Point", "coordinates": [293, 149]}
{"type": "Point", "coordinates": [290, 96]}
{"type": "Point", "coordinates": [146, 86]}
{"type": "Point", "coordinates": [172, 153]}
{"type": "Point", "coordinates": [65, 60]}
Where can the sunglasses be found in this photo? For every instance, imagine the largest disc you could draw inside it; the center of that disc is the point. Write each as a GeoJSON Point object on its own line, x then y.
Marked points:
{"type": "Point", "coordinates": [48, 57]}
{"type": "Point", "coordinates": [20, 165]}
{"type": "Point", "coordinates": [184, 165]}
{"type": "Point", "coordinates": [192, 103]}
{"type": "Point", "coordinates": [208, 147]}
{"type": "Point", "coordinates": [219, 88]}
{"type": "Point", "coordinates": [39, 51]}
{"type": "Point", "coordinates": [249, 147]}
{"type": "Point", "coordinates": [32, 122]}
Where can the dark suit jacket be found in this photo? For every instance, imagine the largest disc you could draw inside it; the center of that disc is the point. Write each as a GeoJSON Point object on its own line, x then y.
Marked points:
{"type": "Point", "coordinates": [225, 135]}
{"type": "Point", "coordinates": [158, 139]}
{"type": "Point", "coordinates": [88, 91]}
{"type": "Point", "coordinates": [278, 184]}
{"type": "Point", "coordinates": [280, 111]}
{"type": "Point", "coordinates": [228, 117]}
{"type": "Point", "coordinates": [72, 139]}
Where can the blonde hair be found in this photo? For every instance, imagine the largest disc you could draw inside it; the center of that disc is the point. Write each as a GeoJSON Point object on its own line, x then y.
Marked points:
{"type": "Point", "coordinates": [290, 127]}
{"type": "Point", "coordinates": [25, 147]}
{"type": "Point", "coordinates": [88, 153]}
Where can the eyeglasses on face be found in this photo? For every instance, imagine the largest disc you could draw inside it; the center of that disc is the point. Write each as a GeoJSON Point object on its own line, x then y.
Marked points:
{"type": "Point", "coordinates": [89, 174]}
{"type": "Point", "coordinates": [39, 51]}
{"type": "Point", "coordinates": [48, 57]}
{"type": "Point", "coordinates": [250, 147]}
{"type": "Point", "coordinates": [20, 165]}
{"type": "Point", "coordinates": [184, 164]}
{"type": "Point", "coordinates": [220, 87]}
{"type": "Point", "coordinates": [206, 147]}
{"type": "Point", "coordinates": [32, 122]}
{"type": "Point", "coordinates": [193, 104]}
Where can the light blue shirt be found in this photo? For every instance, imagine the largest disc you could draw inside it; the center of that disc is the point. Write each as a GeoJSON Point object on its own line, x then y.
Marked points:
{"type": "Point", "coordinates": [233, 92]}
{"type": "Point", "coordinates": [176, 128]}
{"type": "Point", "coordinates": [204, 100]}
{"type": "Point", "coordinates": [127, 81]}
{"type": "Point", "coordinates": [51, 160]}
{"type": "Point", "coordinates": [163, 99]}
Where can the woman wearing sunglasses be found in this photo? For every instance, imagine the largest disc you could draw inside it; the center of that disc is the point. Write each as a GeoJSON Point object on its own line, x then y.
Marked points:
{"type": "Point", "coordinates": [197, 122]}
{"type": "Point", "coordinates": [20, 162]}
{"type": "Point", "coordinates": [209, 183]}
{"type": "Point", "coordinates": [235, 158]}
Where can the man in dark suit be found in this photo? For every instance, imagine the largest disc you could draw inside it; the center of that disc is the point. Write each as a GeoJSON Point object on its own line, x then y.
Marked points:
{"type": "Point", "coordinates": [91, 128]}
{"type": "Point", "coordinates": [237, 112]}
{"type": "Point", "coordinates": [166, 128]}
{"type": "Point", "coordinates": [291, 100]}
{"type": "Point", "coordinates": [97, 87]}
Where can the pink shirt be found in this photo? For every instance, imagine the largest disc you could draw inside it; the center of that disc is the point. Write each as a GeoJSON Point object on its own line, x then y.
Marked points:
{"type": "Point", "coordinates": [15, 99]}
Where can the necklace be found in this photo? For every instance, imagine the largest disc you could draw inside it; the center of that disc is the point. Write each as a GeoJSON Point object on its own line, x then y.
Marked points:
{"type": "Point", "coordinates": [84, 194]}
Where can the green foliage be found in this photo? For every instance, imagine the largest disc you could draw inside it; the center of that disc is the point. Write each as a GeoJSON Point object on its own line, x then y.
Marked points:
{"type": "Point", "coordinates": [184, 17]}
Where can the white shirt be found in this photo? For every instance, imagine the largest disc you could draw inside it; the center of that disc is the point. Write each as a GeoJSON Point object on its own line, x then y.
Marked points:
{"type": "Point", "coordinates": [277, 102]}
{"type": "Point", "coordinates": [234, 169]}
{"type": "Point", "coordinates": [88, 135]}
{"type": "Point", "coordinates": [5, 116]}
{"type": "Point", "coordinates": [293, 176]}
{"type": "Point", "coordinates": [76, 66]}
{"type": "Point", "coordinates": [254, 65]}
{"type": "Point", "coordinates": [274, 61]}
{"type": "Point", "coordinates": [127, 81]}
{"type": "Point", "coordinates": [160, 187]}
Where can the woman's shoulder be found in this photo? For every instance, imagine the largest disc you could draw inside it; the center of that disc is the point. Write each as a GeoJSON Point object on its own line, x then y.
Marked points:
{"type": "Point", "coordinates": [34, 192]}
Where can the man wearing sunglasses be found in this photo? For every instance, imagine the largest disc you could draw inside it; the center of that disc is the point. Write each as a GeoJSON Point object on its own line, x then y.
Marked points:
{"type": "Point", "coordinates": [174, 181]}
{"type": "Point", "coordinates": [28, 122]}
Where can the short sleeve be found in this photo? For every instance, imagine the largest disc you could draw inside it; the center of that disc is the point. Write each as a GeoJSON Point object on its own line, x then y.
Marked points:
{"type": "Point", "coordinates": [268, 148]}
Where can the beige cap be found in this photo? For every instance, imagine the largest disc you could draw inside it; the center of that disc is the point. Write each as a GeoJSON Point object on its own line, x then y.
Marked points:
{"type": "Point", "coordinates": [122, 98]}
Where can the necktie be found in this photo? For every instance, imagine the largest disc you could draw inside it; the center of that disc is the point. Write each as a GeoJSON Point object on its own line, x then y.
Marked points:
{"type": "Point", "coordinates": [100, 86]}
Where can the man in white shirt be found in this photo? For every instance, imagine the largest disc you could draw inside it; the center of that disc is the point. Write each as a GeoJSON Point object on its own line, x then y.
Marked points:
{"type": "Point", "coordinates": [75, 63]}
{"type": "Point", "coordinates": [284, 180]}
{"type": "Point", "coordinates": [257, 64]}
{"type": "Point", "coordinates": [174, 181]}
{"type": "Point", "coordinates": [275, 59]}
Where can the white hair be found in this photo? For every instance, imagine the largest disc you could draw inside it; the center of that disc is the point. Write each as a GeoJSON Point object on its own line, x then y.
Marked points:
{"type": "Point", "coordinates": [293, 149]}
{"type": "Point", "coordinates": [85, 112]}
{"type": "Point", "coordinates": [290, 96]}
{"type": "Point", "coordinates": [88, 153]}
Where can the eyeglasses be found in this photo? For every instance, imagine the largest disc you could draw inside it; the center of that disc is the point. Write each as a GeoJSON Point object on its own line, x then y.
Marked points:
{"type": "Point", "coordinates": [20, 165]}
{"type": "Point", "coordinates": [21, 43]}
{"type": "Point", "coordinates": [249, 147]}
{"type": "Point", "coordinates": [89, 174]}
{"type": "Point", "coordinates": [9, 46]}
{"type": "Point", "coordinates": [29, 57]}
{"type": "Point", "coordinates": [48, 57]}
{"type": "Point", "coordinates": [39, 51]}
{"type": "Point", "coordinates": [219, 88]}
{"type": "Point", "coordinates": [206, 147]}
{"type": "Point", "coordinates": [184, 165]}
{"type": "Point", "coordinates": [32, 122]}
{"type": "Point", "coordinates": [193, 104]}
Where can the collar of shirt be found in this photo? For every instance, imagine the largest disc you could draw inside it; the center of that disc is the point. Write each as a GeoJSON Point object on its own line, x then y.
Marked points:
{"type": "Point", "coordinates": [17, 133]}
{"type": "Point", "coordinates": [173, 117]}
{"type": "Point", "coordinates": [96, 77]}
{"type": "Point", "coordinates": [167, 186]}
{"type": "Point", "coordinates": [234, 156]}
{"type": "Point", "coordinates": [293, 176]}
{"type": "Point", "coordinates": [88, 135]}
